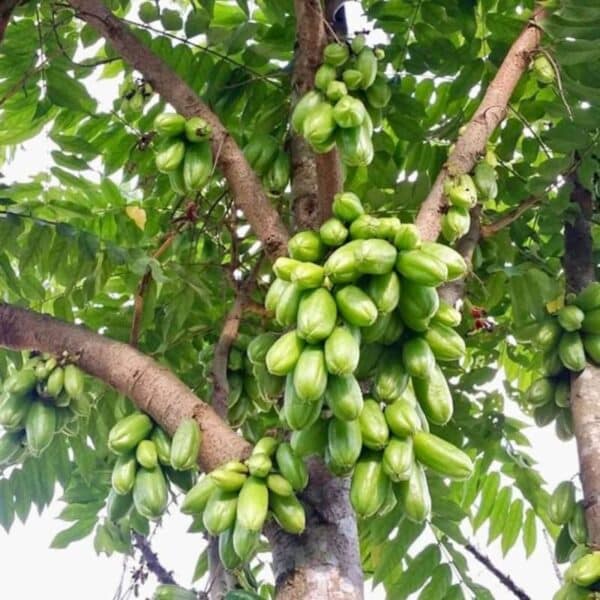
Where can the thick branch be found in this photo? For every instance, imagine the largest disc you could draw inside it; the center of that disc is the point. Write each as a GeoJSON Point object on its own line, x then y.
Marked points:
{"type": "Point", "coordinates": [490, 113]}
{"type": "Point", "coordinates": [509, 218]}
{"type": "Point", "coordinates": [151, 559]}
{"type": "Point", "coordinates": [6, 9]}
{"type": "Point", "coordinates": [506, 581]}
{"type": "Point", "coordinates": [245, 186]}
{"type": "Point", "coordinates": [152, 387]}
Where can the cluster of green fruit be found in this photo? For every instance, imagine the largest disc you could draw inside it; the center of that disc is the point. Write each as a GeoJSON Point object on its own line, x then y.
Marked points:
{"type": "Point", "coordinates": [363, 309]}
{"type": "Point", "coordinates": [348, 98]}
{"type": "Point", "coordinates": [235, 499]}
{"type": "Point", "coordinates": [184, 151]}
{"type": "Point", "coordinates": [462, 193]}
{"type": "Point", "coordinates": [133, 95]}
{"type": "Point", "coordinates": [141, 448]}
{"type": "Point", "coordinates": [584, 572]}
{"type": "Point", "coordinates": [269, 162]}
{"type": "Point", "coordinates": [39, 400]}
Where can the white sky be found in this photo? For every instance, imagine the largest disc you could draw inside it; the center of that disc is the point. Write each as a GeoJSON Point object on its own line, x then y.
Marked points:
{"type": "Point", "coordinates": [31, 570]}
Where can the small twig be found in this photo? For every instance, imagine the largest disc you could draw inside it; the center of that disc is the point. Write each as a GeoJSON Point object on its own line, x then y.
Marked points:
{"type": "Point", "coordinates": [510, 217]}
{"type": "Point", "coordinates": [550, 548]}
{"type": "Point", "coordinates": [505, 579]}
{"type": "Point", "coordinates": [533, 132]}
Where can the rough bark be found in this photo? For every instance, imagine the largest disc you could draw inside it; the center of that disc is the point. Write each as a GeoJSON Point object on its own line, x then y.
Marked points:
{"type": "Point", "coordinates": [244, 184]}
{"type": "Point", "coordinates": [490, 113]}
{"type": "Point", "coordinates": [585, 386]}
{"type": "Point", "coordinates": [150, 558]}
{"type": "Point", "coordinates": [152, 387]}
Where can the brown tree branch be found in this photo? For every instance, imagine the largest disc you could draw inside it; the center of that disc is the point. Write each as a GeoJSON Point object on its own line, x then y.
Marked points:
{"type": "Point", "coordinates": [509, 218]}
{"type": "Point", "coordinates": [244, 184]}
{"type": "Point", "coordinates": [490, 113]}
{"type": "Point", "coordinates": [151, 386]}
{"type": "Point", "coordinates": [151, 559]}
{"type": "Point", "coordinates": [6, 9]}
{"type": "Point", "coordinates": [504, 579]}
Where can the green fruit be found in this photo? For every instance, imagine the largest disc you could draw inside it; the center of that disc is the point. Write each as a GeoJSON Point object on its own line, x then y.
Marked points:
{"type": "Point", "coordinates": [336, 54]}
{"type": "Point", "coordinates": [455, 223]}
{"type": "Point", "coordinates": [402, 419]}
{"type": "Point", "coordinates": [422, 268]}
{"type": "Point", "coordinates": [333, 232]}
{"type": "Point", "coordinates": [197, 129]}
{"type": "Point", "coordinates": [390, 501]}
{"type": "Point", "coordinates": [417, 305]}
{"type": "Point", "coordinates": [310, 374]}
{"type": "Point", "coordinates": [384, 290]}
{"type": "Point", "coordinates": [54, 384]}
{"type": "Point", "coordinates": [219, 512]}
{"type": "Point", "coordinates": [274, 293]}
{"type": "Point", "coordinates": [591, 343]}
{"type": "Point", "coordinates": [563, 546]}
{"type": "Point", "coordinates": [278, 175]}
{"type": "Point", "coordinates": [344, 442]}
{"type": "Point", "coordinates": [349, 112]}
{"type": "Point", "coordinates": [171, 19]}
{"type": "Point", "coordinates": [577, 525]}
{"type": "Point", "coordinates": [291, 467]}
{"type": "Point", "coordinates": [375, 332]}
{"type": "Point", "coordinates": [162, 444]}
{"type": "Point", "coordinates": [390, 379]}
{"type": "Point", "coordinates": [589, 298]}
{"type": "Point", "coordinates": [299, 414]}
{"type": "Point", "coordinates": [434, 397]}
{"type": "Point", "coordinates": [486, 180]}
{"type": "Point", "coordinates": [308, 276]}
{"type": "Point", "coordinates": [146, 454]}
{"type": "Point", "coordinates": [407, 237]}
{"type": "Point", "coordinates": [418, 358]}
{"type": "Point", "coordinates": [570, 591]}
{"type": "Point", "coordinates": [319, 124]}
{"type": "Point", "coordinates": [317, 315]}
{"type": "Point", "coordinates": [196, 499]}
{"type": "Point", "coordinates": [148, 12]}
{"type": "Point", "coordinates": [379, 94]}
{"type": "Point", "coordinates": [398, 458]}
{"type": "Point", "coordinates": [447, 315]}
{"type": "Point", "coordinates": [168, 591]}
{"type": "Point", "coordinates": [184, 480]}
{"type": "Point", "coordinates": [366, 64]}
{"type": "Point", "coordinates": [305, 105]}
{"type": "Point", "coordinates": [369, 359]}
{"type": "Point", "coordinates": [259, 464]}
{"type": "Point", "coordinates": [324, 75]}
{"type": "Point", "coordinates": [253, 504]}
{"type": "Point", "coordinates": [169, 124]}
{"type": "Point", "coordinates": [342, 352]}
{"type": "Point", "coordinates": [347, 207]}
{"type": "Point", "coordinates": [118, 505]}
{"type": "Point", "coordinates": [591, 322]}
{"type": "Point", "coordinates": [562, 391]}
{"type": "Point", "coordinates": [13, 411]}
{"type": "Point", "coordinates": [261, 152]}
{"type": "Point", "coordinates": [543, 69]}
{"type": "Point", "coordinates": [342, 266]}
{"type": "Point", "coordinates": [279, 485]}
{"type": "Point", "coordinates": [283, 355]}
{"type": "Point", "coordinates": [176, 181]}
{"type": "Point", "coordinates": [355, 306]}
{"type": "Point", "coordinates": [309, 441]}
{"type": "Point", "coordinates": [394, 330]}
{"type": "Point", "coordinates": [355, 145]}
{"type": "Point", "coordinates": [336, 90]}
{"type": "Point", "coordinates": [185, 445]}
{"type": "Point", "coordinates": [123, 474]}
{"type": "Point", "coordinates": [551, 364]}
{"type": "Point", "coordinates": [259, 346]}
{"type": "Point", "coordinates": [455, 263]}
{"type": "Point", "coordinates": [414, 495]}
{"type": "Point", "coordinates": [170, 156]}
{"type": "Point", "coordinates": [40, 426]}
{"type": "Point", "coordinates": [358, 43]}
{"type": "Point", "coordinates": [287, 309]}
{"type": "Point", "coordinates": [245, 541]}
{"type": "Point", "coordinates": [366, 227]}
{"type": "Point", "coordinates": [564, 425]}
{"type": "Point", "coordinates": [197, 166]}
{"type": "Point", "coordinates": [442, 456]}
{"type": "Point", "coordinates": [540, 392]}
{"type": "Point", "coordinates": [352, 78]}
{"type": "Point", "coordinates": [127, 433]}
{"type": "Point", "coordinates": [571, 351]}
{"type": "Point", "coordinates": [74, 381]}
{"type": "Point", "coordinates": [227, 555]}
{"type": "Point", "coordinates": [306, 246]}
{"type": "Point", "coordinates": [547, 334]}
{"type": "Point", "coordinates": [368, 488]}
{"type": "Point", "coordinates": [373, 426]}
{"type": "Point", "coordinates": [22, 382]}
{"type": "Point", "coordinates": [445, 343]}
{"type": "Point", "coordinates": [561, 505]}
{"type": "Point", "coordinates": [344, 397]}
{"type": "Point", "coordinates": [585, 571]}
{"type": "Point", "coordinates": [461, 191]}
{"type": "Point", "coordinates": [545, 414]}
{"type": "Point", "coordinates": [288, 513]}
{"type": "Point", "coordinates": [375, 257]}
{"type": "Point", "coordinates": [570, 317]}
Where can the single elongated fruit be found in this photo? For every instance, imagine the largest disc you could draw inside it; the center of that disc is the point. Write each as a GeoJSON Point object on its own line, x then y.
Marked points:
{"type": "Point", "coordinates": [545, 414]}
{"type": "Point", "coordinates": [379, 94]}
{"type": "Point", "coordinates": [324, 76]}
{"type": "Point", "coordinates": [390, 379]}
{"type": "Point", "coordinates": [22, 382]}
{"type": "Point", "coordinates": [385, 291]}
{"type": "Point", "coordinates": [407, 237]}
{"type": "Point", "coordinates": [375, 257]}
{"type": "Point", "coordinates": [150, 492]}
{"type": "Point", "coordinates": [585, 571]}
{"type": "Point", "coordinates": [291, 467]}
{"type": "Point", "coordinates": [259, 346]}
{"type": "Point", "coordinates": [310, 374]}
{"type": "Point", "coordinates": [373, 426]}
{"type": "Point", "coordinates": [571, 351]}
{"type": "Point", "coordinates": [127, 433]}
{"type": "Point", "coordinates": [261, 151]}
{"type": "Point", "coordinates": [278, 175]}
{"type": "Point", "coordinates": [317, 315]}
{"type": "Point", "coordinates": [434, 397]}
{"type": "Point", "coordinates": [169, 124]}
{"type": "Point", "coordinates": [74, 381]}
{"type": "Point", "coordinates": [414, 495]}
{"type": "Point", "coordinates": [486, 180]}
{"type": "Point", "coordinates": [543, 69]}
{"type": "Point", "coordinates": [259, 464]}
{"type": "Point", "coordinates": [402, 419]}
{"type": "Point", "coordinates": [417, 305]}
{"type": "Point", "coordinates": [422, 268]}
{"type": "Point", "coordinates": [376, 332]}
{"type": "Point", "coordinates": [445, 343]}
{"type": "Point", "coordinates": [13, 411]}
{"type": "Point", "coordinates": [347, 206]}
{"type": "Point", "coordinates": [366, 227]}
{"type": "Point", "coordinates": [336, 54]}
{"type": "Point", "coordinates": [418, 358]}
{"type": "Point", "coordinates": [342, 266]}
{"type": "Point", "coordinates": [455, 223]}
{"type": "Point", "coordinates": [274, 293]}
{"type": "Point", "coordinates": [589, 298]}
{"type": "Point", "coordinates": [344, 397]}
{"type": "Point", "coordinates": [253, 504]}
{"type": "Point", "coordinates": [55, 381]}
{"type": "Point", "coordinates": [349, 112]}
{"type": "Point", "coordinates": [369, 484]}
{"type": "Point", "coordinates": [283, 355]}
{"type": "Point", "coordinates": [591, 343]}
{"type": "Point", "coordinates": [228, 480]}
{"type": "Point", "coordinates": [591, 322]}
{"type": "Point", "coordinates": [570, 317]}
{"type": "Point", "coordinates": [398, 458]}
{"type": "Point", "coordinates": [306, 246]}
{"type": "Point", "coordinates": [245, 541]}
{"type": "Point", "coordinates": [319, 124]}
{"type": "Point", "coordinates": [562, 392]}
{"type": "Point", "coordinates": [344, 442]}
{"type": "Point", "coordinates": [304, 106]}
{"type": "Point", "coordinates": [352, 78]}
{"type": "Point", "coordinates": [185, 445]}
{"type": "Point", "coordinates": [288, 512]}
{"type": "Point", "coordinates": [577, 525]}
{"type": "Point", "coordinates": [342, 352]}
{"type": "Point", "coordinates": [197, 497]}
{"type": "Point", "coordinates": [441, 456]}
{"type": "Point", "coordinates": [123, 474]}
{"type": "Point", "coordinates": [308, 276]}
{"type": "Point", "coordinates": [283, 267]}
{"type": "Point", "coordinates": [461, 191]}
{"type": "Point", "coordinates": [564, 425]}
{"type": "Point", "coordinates": [197, 165]}
{"type": "Point", "coordinates": [366, 64]}
{"type": "Point", "coordinates": [447, 315]}
{"type": "Point", "coordinates": [333, 232]}
{"type": "Point", "coordinates": [118, 505]}
{"type": "Point", "coordinates": [287, 308]}
{"type": "Point", "coordinates": [162, 443]}
{"type": "Point", "coordinates": [355, 145]}
{"type": "Point", "coordinates": [309, 441]}
{"type": "Point", "coordinates": [562, 503]}
{"type": "Point", "coordinates": [227, 553]}
{"type": "Point", "coordinates": [355, 306]}
{"type": "Point", "coordinates": [540, 392]}
{"type": "Point", "coordinates": [299, 414]}
{"type": "Point", "coordinates": [170, 156]}
{"type": "Point", "coordinates": [197, 129]}
{"type": "Point", "coordinates": [336, 90]}
{"type": "Point", "coordinates": [146, 454]}
{"type": "Point", "coordinates": [39, 427]}
{"type": "Point", "coordinates": [219, 512]}
{"type": "Point", "coordinates": [455, 263]}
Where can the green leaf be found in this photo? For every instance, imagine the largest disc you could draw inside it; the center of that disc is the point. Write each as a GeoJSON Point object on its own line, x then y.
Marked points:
{"type": "Point", "coordinates": [7, 507]}
{"type": "Point", "coordinates": [201, 566]}
{"type": "Point", "coordinates": [514, 520]}
{"type": "Point", "coordinates": [65, 91]}
{"type": "Point", "coordinates": [76, 532]}
{"type": "Point", "coordinates": [499, 514]}
{"type": "Point", "coordinates": [529, 533]}
{"type": "Point", "coordinates": [487, 499]}
{"type": "Point", "coordinates": [438, 586]}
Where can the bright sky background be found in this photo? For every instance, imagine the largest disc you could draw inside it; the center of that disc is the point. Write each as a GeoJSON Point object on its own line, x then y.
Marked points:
{"type": "Point", "coordinates": [31, 570]}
